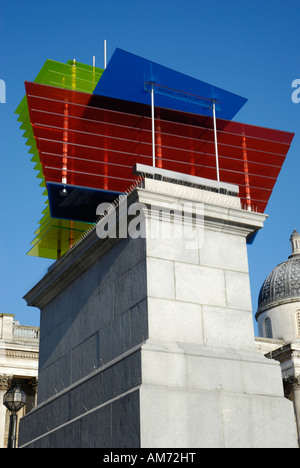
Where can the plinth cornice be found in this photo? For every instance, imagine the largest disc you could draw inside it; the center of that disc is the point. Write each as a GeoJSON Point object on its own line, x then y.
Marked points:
{"type": "Point", "coordinates": [221, 212]}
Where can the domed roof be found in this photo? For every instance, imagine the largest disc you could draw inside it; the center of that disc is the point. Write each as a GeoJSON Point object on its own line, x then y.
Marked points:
{"type": "Point", "coordinates": [283, 283]}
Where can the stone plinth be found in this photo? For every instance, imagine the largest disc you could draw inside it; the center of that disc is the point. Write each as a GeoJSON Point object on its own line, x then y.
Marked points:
{"type": "Point", "coordinates": [149, 342]}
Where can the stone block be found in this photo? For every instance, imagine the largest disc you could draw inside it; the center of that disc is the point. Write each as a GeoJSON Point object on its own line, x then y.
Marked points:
{"type": "Point", "coordinates": [66, 437]}
{"type": "Point", "coordinates": [115, 338]}
{"type": "Point", "coordinates": [125, 254]}
{"type": "Point", "coordinates": [164, 368]}
{"type": "Point", "coordinates": [175, 321]}
{"type": "Point", "coordinates": [93, 391]}
{"type": "Point", "coordinates": [6, 326]}
{"type": "Point", "coordinates": [127, 294]}
{"type": "Point", "coordinates": [85, 358]}
{"type": "Point", "coordinates": [139, 323]}
{"type": "Point", "coordinates": [125, 421]}
{"type": "Point", "coordinates": [188, 413]}
{"type": "Point", "coordinates": [220, 328]}
{"type": "Point", "coordinates": [238, 294]}
{"type": "Point", "coordinates": [272, 427]}
{"type": "Point", "coordinates": [98, 312]}
{"type": "Point", "coordinates": [262, 377]}
{"type": "Point", "coordinates": [96, 428]}
{"type": "Point", "coordinates": [55, 378]}
{"type": "Point", "coordinates": [214, 373]}
{"type": "Point", "coordinates": [123, 376]}
{"type": "Point", "coordinates": [228, 252]}
{"type": "Point", "coordinates": [160, 278]}
{"type": "Point", "coordinates": [200, 285]}
{"type": "Point", "coordinates": [171, 247]}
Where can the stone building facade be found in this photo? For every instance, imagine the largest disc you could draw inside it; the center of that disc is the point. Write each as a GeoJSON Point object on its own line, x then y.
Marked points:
{"type": "Point", "coordinates": [19, 355]}
{"type": "Point", "coordinates": [278, 318]}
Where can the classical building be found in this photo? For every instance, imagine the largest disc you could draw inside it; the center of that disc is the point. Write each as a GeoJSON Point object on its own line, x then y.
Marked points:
{"type": "Point", "coordinates": [19, 354]}
{"type": "Point", "coordinates": [278, 318]}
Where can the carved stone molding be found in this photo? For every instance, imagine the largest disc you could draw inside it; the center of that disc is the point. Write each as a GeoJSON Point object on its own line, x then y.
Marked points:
{"type": "Point", "coordinates": [291, 384]}
{"type": "Point", "coordinates": [30, 385]}
{"type": "Point", "coordinates": [5, 382]}
{"type": "Point", "coordinates": [294, 381]}
{"type": "Point", "coordinates": [19, 354]}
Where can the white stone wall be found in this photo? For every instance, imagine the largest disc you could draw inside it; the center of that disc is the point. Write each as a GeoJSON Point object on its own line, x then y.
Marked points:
{"type": "Point", "coordinates": [200, 290]}
{"type": "Point", "coordinates": [284, 321]}
{"type": "Point", "coordinates": [19, 352]}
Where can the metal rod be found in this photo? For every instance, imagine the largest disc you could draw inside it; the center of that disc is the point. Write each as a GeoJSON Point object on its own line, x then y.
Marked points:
{"type": "Point", "coordinates": [158, 141]}
{"type": "Point", "coordinates": [216, 141]}
{"type": "Point", "coordinates": [64, 172]}
{"type": "Point", "coordinates": [153, 125]}
{"type": "Point", "coordinates": [104, 54]}
{"type": "Point", "coordinates": [246, 171]}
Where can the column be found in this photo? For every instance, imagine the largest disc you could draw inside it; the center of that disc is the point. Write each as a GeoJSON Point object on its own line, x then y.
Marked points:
{"type": "Point", "coordinates": [296, 391]}
{"type": "Point", "coordinates": [4, 386]}
{"type": "Point", "coordinates": [292, 392]}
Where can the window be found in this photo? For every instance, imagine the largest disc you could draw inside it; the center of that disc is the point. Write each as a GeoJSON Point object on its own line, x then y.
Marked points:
{"type": "Point", "coordinates": [268, 328]}
{"type": "Point", "coordinates": [298, 322]}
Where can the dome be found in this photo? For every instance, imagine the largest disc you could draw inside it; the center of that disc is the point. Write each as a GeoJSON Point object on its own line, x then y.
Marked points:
{"type": "Point", "coordinates": [283, 283]}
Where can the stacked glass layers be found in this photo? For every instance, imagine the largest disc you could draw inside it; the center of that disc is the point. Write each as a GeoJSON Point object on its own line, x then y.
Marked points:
{"type": "Point", "coordinates": [55, 236]}
{"type": "Point", "coordinates": [86, 128]}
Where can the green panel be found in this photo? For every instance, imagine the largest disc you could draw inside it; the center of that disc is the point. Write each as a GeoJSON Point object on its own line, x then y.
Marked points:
{"type": "Point", "coordinates": [69, 76]}
{"type": "Point", "coordinates": [53, 235]}
{"type": "Point", "coordinates": [47, 222]}
{"type": "Point", "coordinates": [42, 252]}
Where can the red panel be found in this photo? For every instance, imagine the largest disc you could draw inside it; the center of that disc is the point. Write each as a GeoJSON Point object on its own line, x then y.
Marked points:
{"type": "Point", "coordinates": [97, 140]}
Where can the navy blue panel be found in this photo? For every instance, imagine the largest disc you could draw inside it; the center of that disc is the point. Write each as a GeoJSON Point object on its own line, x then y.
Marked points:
{"type": "Point", "coordinates": [127, 77]}
{"type": "Point", "coordinates": [251, 238]}
{"type": "Point", "coordinates": [76, 203]}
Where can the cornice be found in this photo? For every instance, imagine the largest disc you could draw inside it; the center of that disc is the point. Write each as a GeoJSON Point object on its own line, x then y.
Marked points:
{"type": "Point", "coordinates": [18, 354]}
{"type": "Point", "coordinates": [221, 212]}
{"type": "Point", "coordinates": [273, 304]}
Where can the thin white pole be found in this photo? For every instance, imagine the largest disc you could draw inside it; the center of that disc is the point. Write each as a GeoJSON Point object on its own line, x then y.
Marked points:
{"type": "Point", "coordinates": [153, 125]}
{"type": "Point", "coordinates": [104, 54]}
{"type": "Point", "coordinates": [216, 142]}
{"type": "Point", "coordinates": [94, 61]}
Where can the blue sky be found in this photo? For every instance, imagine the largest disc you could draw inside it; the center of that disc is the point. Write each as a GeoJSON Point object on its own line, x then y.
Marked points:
{"type": "Point", "coordinates": [248, 47]}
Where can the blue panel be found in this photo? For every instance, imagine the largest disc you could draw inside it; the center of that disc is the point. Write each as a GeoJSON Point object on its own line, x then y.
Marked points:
{"type": "Point", "coordinates": [129, 77]}
{"type": "Point", "coordinates": [251, 239]}
{"type": "Point", "coordinates": [76, 203]}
